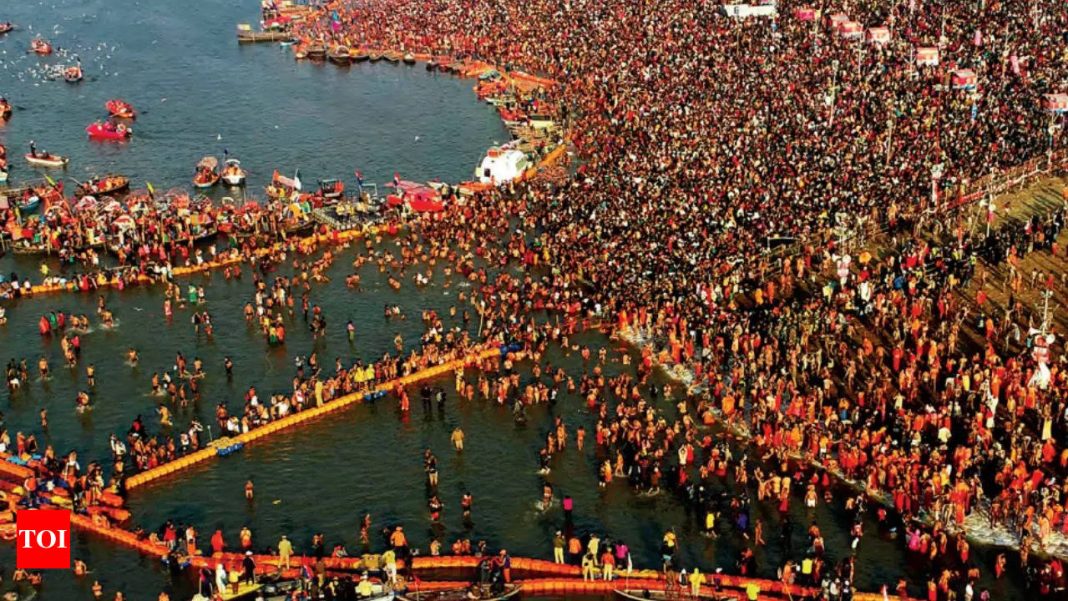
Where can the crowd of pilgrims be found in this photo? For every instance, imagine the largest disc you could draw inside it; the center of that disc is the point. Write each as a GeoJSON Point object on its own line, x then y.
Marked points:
{"type": "Point", "coordinates": [701, 138]}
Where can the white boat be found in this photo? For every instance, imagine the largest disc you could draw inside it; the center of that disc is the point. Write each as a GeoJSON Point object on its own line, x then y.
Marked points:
{"type": "Point", "coordinates": [233, 174]}
{"type": "Point", "coordinates": [45, 159]}
{"type": "Point", "coordinates": [502, 165]}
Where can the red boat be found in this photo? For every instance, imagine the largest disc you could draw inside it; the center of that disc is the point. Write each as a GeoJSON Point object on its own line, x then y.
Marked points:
{"type": "Point", "coordinates": [120, 109]}
{"type": "Point", "coordinates": [42, 47]}
{"type": "Point", "coordinates": [419, 198]}
{"type": "Point", "coordinates": [108, 131]}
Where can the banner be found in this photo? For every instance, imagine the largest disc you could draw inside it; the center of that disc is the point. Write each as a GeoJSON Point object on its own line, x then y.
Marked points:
{"type": "Point", "coordinates": [742, 11]}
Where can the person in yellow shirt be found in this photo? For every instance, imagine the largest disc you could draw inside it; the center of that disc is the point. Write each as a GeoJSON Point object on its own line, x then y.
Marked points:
{"type": "Point", "coordinates": [696, 580]}
{"type": "Point", "coordinates": [364, 589]}
{"type": "Point", "coordinates": [285, 551]}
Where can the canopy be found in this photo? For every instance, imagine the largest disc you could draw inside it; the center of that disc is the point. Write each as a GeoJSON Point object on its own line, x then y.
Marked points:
{"type": "Point", "coordinates": [850, 30]}
{"type": "Point", "coordinates": [87, 203]}
{"type": "Point", "coordinates": [964, 79]}
{"type": "Point", "coordinates": [927, 56]}
{"type": "Point", "coordinates": [124, 222]}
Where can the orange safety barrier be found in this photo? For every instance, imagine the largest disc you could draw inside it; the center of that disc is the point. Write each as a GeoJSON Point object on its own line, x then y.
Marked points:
{"type": "Point", "coordinates": [118, 535]}
{"type": "Point", "coordinates": [16, 471]}
{"type": "Point", "coordinates": [573, 585]}
{"type": "Point", "coordinates": [308, 414]}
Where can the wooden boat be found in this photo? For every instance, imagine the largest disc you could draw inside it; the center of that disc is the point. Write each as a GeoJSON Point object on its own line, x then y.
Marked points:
{"type": "Point", "coordinates": [245, 35]}
{"type": "Point", "coordinates": [393, 57]}
{"type": "Point", "coordinates": [5, 108]}
{"type": "Point", "coordinates": [331, 189]}
{"type": "Point", "coordinates": [107, 184]}
{"type": "Point", "coordinates": [41, 47]}
{"type": "Point", "coordinates": [375, 56]}
{"type": "Point", "coordinates": [409, 59]}
{"type": "Point", "coordinates": [207, 173]}
{"type": "Point", "coordinates": [6, 27]}
{"type": "Point", "coordinates": [316, 51]}
{"type": "Point", "coordinates": [461, 594]}
{"type": "Point", "coordinates": [120, 109]}
{"type": "Point", "coordinates": [108, 131]}
{"type": "Point", "coordinates": [662, 595]}
{"type": "Point", "coordinates": [339, 55]}
{"type": "Point", "coordinates": [46, 159]}
{"type": "Point", "coordinates": [233, 174]}
{"type": "Point", "coordinates": [358, 56]}
{"type": "Point", "coordinates": [73, 73]}
{"type": "Point", "coordinates": [29, 249]}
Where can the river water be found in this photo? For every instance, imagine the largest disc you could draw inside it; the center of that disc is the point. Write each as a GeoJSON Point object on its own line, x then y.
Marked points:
{"type": "Point", "coordinates": [198, 93]}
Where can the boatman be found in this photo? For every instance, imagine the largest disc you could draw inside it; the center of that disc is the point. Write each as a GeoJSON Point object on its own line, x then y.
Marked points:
{"type": "Point", "coordinates": [248, 566]}
{"type": "Point", "coordinates": [285, 551]}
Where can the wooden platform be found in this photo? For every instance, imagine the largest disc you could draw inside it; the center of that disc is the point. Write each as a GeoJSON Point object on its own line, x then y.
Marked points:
{"type": "Point", "coordinates": [252, 37]}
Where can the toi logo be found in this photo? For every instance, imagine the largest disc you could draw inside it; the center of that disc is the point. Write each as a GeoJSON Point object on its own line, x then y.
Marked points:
{"type": "Point", "coordinates": [43, 540]}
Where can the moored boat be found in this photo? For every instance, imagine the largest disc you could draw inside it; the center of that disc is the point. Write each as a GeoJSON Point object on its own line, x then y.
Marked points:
{"type": "Point", "coordinates": [207, 173]}
{"type": "Point", "coordinates": [120, 109]}
{"type": "Point", "coordinates": [339, 55]}
{"type": "Point", "coordinates": [46, 159]}
{"type": "Point", "coordinates": [282, 186]}
{"type": "Point", "coordinates": [392, 56]}
{"type": "Point", "coordinates": [3, 175]}
{"type": "Point", "coordinates": [41, 47]}
{"type": "Point", "coordinates": [233, 174]}
{"type": "Point", "coordinates": [105, 184]}
{"type": "Point", "coordinates": [409, 59]}
{"type": "Point", "coordinates": [108, 131]}
{"type": "Point", "coordinates": [331, 189]}
{"type": "Point", "coordinates": [316, 51]}
{"type": "Point", "coordinates": [664, 595]}
{"type": "Point", "coordinates": [480, 592]}
{"type": "Point", "coordinates": [358, 55]}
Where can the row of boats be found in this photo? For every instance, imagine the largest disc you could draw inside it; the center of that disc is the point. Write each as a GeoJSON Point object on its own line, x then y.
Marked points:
{"type": "Point", "coordinates": [343, 55]}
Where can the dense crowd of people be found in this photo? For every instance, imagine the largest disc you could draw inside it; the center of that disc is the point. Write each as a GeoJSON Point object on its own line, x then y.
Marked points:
{"type": "Point", "coordinates": [705, 139]}
{"type": "Point", "coordinates": [899, 365]}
